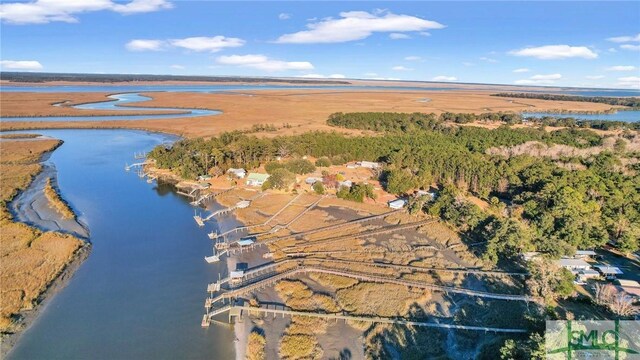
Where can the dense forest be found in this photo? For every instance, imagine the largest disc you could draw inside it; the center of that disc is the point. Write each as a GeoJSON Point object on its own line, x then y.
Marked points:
{"type": "Point", "coordinates": [538, 203]}
{"type": "Point", "coordinates": [387, 121]}
{"type": "Point", "coordinates": [621, 101]}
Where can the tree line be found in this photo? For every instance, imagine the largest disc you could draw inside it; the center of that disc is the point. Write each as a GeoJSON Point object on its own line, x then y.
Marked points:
{"type": "Point", "coordinates": [633, 102]}
{"type": "Point", "coordinates": [547, 207]}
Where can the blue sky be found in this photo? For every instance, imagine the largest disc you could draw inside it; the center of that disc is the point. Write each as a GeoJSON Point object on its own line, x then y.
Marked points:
{"type": "Point", "coordinates": [531, 43]}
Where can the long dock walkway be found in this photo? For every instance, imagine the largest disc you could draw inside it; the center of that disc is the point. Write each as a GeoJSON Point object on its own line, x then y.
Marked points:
{"type": "Point", "coordinates": [363, 277]}
{"type": "Point", "coordinates": [372, 319]}
{"type": "Point", "coordinates": [383, 230]}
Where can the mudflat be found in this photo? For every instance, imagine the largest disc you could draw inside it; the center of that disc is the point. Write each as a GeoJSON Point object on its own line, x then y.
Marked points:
{"type": "Point", "coordinates": [32, 259]}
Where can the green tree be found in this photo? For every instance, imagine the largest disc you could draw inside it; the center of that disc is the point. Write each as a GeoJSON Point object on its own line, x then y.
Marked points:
{"type": "Point", "coordinates": [281, 179]}
{"type": "Point", "coordinates": [318, 187]}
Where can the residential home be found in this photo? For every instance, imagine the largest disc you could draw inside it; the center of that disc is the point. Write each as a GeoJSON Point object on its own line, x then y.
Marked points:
{"type": "Point", "coordinates": [368, 164]}
{"type": "Point", "coordinates": [574, 265]}
{"type": "Point", "coordinates": [256, 179]}
{"type": "Point", "coordinates": [397, 203]}
{"type": "Point", "coordinates": [239, 173]}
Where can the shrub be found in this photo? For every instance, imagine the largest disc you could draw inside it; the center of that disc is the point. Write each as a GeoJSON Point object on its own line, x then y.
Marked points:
{"type": "Point", "coordinates": [271, 166]}
{"type": "Point", "coordinates": [318, 188]}
{"type": "Point", "coordinates": [299, 166]}
{"type": "Point", "coordinates": [323, 162]}
{"type": "Point", "coordinates": [255, 347]}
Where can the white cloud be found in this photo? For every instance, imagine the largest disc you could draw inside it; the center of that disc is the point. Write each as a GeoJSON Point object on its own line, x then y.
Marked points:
{"type": "Point", "coordinates": [320, 76]}
{"type": "Point", "coordinates": [370, 74]}
{"type": "Point", "coordinates": [45, 11]}
{"type": "Point", "coordinates": [546, 77]}
{"type": "Point", "coordinates": [629, 82]}
{"type": "Point", "coordinates": [444, 78]}
{"type": "Point", "coordinates": [550, 52]}
{"type": "Point", "coordinates": [177, 67]}
{"type": "Point", "coordinates": [612, 50]}
{"type": "Point", "coordinates": [489, 60]}
{"type": "Point", "coordinates": [198, 43]}
{"type": "Point", "coordinates": [623, 39]}
{"type": "Point", "coordinates": [466, 63]}
{"type": "Point", "coordinates": [28, 65]}
{"type": "Point", "coordinates": [211, 44]}
{"type": "Point", "coordinates": [413, 58]}
{"type": "Point", "coordinates": [141, 6]}
{"type": "Point", "coordinates": [630, 47]}
{"type": "Point", "coordinates": [145, 45]}
{"type": "Point", "coordinates": [262, 62]}
{"type": "Point", "coordinates": [398, 36]}
{"type": "Point", "coordinates": [594, 77]}
{"type": "Point", "coordinates": [357, 25]}
{"type": "Point", "coordinates": [621, 68]}
{"type": "Point", "coordinates": [284, 16]}
{"type": "Point", "coordinates": [401, 68]}
{"type": "Point", "coordinates": [539, 80]}
{"type": "Point", "coordinates": [424, 33]}
{"type": "Point", "coordinates": [521, 70]}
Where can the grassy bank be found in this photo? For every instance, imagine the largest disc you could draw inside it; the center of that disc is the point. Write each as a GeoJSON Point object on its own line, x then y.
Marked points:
{"type": "Point", "coordinates": [31, 259]}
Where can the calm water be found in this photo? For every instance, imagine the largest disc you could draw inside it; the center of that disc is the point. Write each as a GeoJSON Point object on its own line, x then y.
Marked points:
{"type": "Point", "coordinates": [140, 294]}
{"type": "Point", "coordinates": [120, 99]}
{"type": "Point", "coordinates": [632, 116]}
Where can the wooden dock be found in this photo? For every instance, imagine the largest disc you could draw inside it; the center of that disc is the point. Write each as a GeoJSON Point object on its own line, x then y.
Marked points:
{"type": "Point", "coordinates": [237, 311]}
{"type": "Point", "coordinates": [262, 282]}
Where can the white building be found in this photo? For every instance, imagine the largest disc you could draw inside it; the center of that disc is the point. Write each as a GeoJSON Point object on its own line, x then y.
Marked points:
{"type": "Point", "coordinates": [574, 264]}
{"type": "Point", "coordinates": [581, 254]}
{"type": "Point", "coordinates": [256, 179]}
{"type": "Point", "coordinates": [368, 164]}
{"type": "Point", "coordinates": [397, 203]}
{"type": "Point", "coordinates": [608, 270]}
{"type": "Point", "coordinates": [239, 173]}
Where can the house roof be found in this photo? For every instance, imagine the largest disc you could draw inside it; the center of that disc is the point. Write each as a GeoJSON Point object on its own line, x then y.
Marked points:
{"type": "Point", "coordinates": [586, 252]}
{"type": "Point", "coordinates": [258, 177]}
{"type": "Point", "coordinates": [610, 270]}
{"type": "Point", "coordinates": [573, 263]}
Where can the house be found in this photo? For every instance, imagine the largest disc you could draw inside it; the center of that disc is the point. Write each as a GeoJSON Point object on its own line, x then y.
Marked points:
{"type": "Point", "coordinates": [239, 173]}
{"type": "Point", "coordinates": [581, 254]}
{"type": "Point", "coordinates": [256, 179]}
{"type": "Point", "coordinates": [368, 164]}
{"type": "Point", "coordinates": [204, 177]}
{"type": "Point", "coordinates": [584, 275]}
{"type": "Point", "coordinates": [352, 166]}
{"type": "Point", "coordinates": [397, 203]}
{"type": "Point", "coordinates": [573, 264]}
{"type": "Point", "coordinates": [346, 183]}
{"type": "Point", "coordinates": [608, 271]}
{"type": "Point", "coordinates": [312, 180]}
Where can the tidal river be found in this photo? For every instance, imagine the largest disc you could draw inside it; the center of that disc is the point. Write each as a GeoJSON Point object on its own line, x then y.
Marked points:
{"type": "Point", "coordinates": [140, 294]}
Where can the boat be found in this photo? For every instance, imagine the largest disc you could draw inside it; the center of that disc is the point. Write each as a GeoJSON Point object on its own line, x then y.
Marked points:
{"type": "Point", "coordinates": [212, 259]}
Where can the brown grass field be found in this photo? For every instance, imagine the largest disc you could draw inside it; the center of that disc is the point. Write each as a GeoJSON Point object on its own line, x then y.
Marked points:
{"type": "Point", "coordinates": [291, 111]}
{"type": "Point", "coordinates": [29, 259]}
